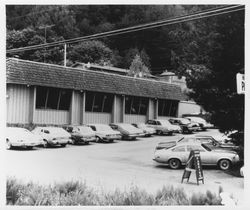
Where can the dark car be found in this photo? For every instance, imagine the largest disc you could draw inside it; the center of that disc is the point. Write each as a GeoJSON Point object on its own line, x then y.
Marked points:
{"type": "Point", "coordinates": [185, 124]}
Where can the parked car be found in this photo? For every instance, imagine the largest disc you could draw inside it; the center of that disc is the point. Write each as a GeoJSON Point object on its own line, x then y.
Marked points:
{"type": "Point", "coordinates": [127, 131]}
{"type": "Point", "coordinates": [185, 124]}
{"type": "Point", "coordinates": [211, 142]}
{"type": "Point", "coordinates": [81, 134]}
{"type": "Point", "coordinates": [202, 123]}
{"type": "Point", "coordinates": [21, 137]}
{"type": "Point", "coordinates": [104, 133]}
{"type": "Point", "coordinates": [147, 130]}
{"type": "Point", "coordinates": [177, 155]}
{"type": "Point", "coordinates": [53, 136]}
{"type": "Point", "coordinates": [163, 126]}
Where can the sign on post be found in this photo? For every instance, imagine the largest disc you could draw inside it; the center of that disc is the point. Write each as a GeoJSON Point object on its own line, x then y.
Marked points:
{"type": "Point", "coordinates": [193, 164]}
{"type": "Point", "coordinates": [240, 80]}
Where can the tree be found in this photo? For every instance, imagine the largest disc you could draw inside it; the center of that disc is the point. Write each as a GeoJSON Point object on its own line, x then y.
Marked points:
{"type": "Point", "coordinates": [210, 54]}
{"type": "Point", "coordinates": [137, 68]}
{"type": "Point", "coordinates": [91, 51]}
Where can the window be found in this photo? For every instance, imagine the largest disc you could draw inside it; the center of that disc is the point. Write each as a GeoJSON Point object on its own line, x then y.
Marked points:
{"type": "Point", "coordinates": [167, 107]}
{"type": "Point", "coordinates": [179, 149]}
{"type": "Point", "coordinates": [195, 147]}
{"type": "Point", "coordinates": [99, 102]}
{"type": "Point", "coordinates": [136, 105]}
{"type": "Point", "coordinates": [53, 98]}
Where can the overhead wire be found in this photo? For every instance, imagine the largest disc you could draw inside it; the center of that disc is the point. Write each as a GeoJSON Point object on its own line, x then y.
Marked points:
{"type": "Point", "coordinates": [171, 21]}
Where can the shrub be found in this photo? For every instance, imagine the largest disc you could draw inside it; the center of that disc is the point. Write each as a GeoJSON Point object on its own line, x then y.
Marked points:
{"type": "Point", "coordinates": [78, 193]}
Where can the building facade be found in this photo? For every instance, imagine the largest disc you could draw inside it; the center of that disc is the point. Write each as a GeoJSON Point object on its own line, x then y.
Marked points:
{"type": "Point", "coordinates": [39, 93]}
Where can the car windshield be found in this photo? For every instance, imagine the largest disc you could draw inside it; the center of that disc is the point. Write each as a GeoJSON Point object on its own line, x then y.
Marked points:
{"type": "Point", "coordinates": [127, 126]}
{"type": "Point", "coordinates": [184, 121]}
{"type": "Point", "coordinates": [84, 129]}
{"type": "Point", "coordinates": [103, 128]}
{"type": "Point", "coordinates": [141, 125]}
{"type": "Point", "coordinates": [165, 122]}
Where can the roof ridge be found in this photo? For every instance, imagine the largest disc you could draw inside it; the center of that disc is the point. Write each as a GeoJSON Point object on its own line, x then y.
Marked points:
{"type": "Point", "coordinates": [87, 70]}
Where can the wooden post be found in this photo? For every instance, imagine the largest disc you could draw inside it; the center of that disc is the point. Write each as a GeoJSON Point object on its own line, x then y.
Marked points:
{"type": "Point", "coordinates": [65, 55]}
{"type": "Point", "coordinates": [123, 108]}
{"type": "Point", "coordinates": [114, 112]}
{"type": "Point", "coordinates": [83, 97]}
{"type": "Point", "coordinates": [32, 104]}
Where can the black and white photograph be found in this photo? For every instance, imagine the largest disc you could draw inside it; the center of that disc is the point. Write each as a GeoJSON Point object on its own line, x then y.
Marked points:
{"type": "Point", "coordinates": [115, 105]}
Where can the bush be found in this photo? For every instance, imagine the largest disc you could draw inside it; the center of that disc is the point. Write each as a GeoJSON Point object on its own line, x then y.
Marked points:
{"type": "Point", "coordinates": [78, 193]}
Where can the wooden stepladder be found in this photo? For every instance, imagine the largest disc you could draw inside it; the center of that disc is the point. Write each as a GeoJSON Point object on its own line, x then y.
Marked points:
{"type": "Point", "coordinates": [193, 164]}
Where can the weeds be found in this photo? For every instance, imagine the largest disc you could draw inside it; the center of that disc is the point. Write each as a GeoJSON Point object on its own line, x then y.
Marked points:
{"type": "Point", "coordinates": [76, 193]}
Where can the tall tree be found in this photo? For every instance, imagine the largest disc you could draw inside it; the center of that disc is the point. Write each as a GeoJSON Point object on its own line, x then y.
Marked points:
{"type": "Point", "coordinates": [138, 68]}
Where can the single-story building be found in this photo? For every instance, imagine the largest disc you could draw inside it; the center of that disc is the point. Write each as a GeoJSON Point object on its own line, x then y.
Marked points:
{"type": "Point", "coordinates": [40, 93]}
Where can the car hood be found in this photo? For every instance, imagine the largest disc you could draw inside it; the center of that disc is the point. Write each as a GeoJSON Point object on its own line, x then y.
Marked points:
{"type": "Point", "coordinates": [110, 132]}
{"type": "Point", "coordinates": [26, 137]}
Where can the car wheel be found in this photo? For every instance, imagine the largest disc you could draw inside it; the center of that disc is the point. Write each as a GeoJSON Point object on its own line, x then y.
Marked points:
{"type": "Point", "coordinates": [174, 163]}
{"type": "Point", "coordinates": [170, 133]}
{"type": "Point", "coordinates": [8, 144]}
{"type": "Point", "coordinates": [45, 144]}
{"type": "Point", "coordinates": [224, 164]}
{"type": "Point", "coordinates": [63, 145]}
{"type": "Point", "coordinates": [98, 139]}
{"type": "Point", "coordinates": [159, 132]}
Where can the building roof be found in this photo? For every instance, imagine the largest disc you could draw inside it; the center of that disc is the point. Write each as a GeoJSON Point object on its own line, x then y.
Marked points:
{"type": "Point", "coordinates": [41, 74]}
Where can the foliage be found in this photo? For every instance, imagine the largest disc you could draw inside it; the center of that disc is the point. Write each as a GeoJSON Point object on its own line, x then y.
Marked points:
{"type": "Point", "coordinates": [137, 68]}
{"type": "Point", "coordinates": [78, 193]}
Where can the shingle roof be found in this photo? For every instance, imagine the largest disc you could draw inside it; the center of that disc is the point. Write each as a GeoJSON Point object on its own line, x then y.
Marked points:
{"type": "Point", "coordinates": [41, 74]}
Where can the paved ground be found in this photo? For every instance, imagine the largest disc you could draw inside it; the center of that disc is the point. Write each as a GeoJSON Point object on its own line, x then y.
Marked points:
{"type": "Point", "coordinates": [106, 166]}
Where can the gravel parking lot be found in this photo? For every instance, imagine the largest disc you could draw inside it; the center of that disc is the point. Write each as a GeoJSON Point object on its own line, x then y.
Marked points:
{"type": "Point", "coordinates": [106, 166]}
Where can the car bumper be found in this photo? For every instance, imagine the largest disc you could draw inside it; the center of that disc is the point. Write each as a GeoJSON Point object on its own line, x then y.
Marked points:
{"type": "Point", "coordinates": [113, 137]}
{"type": "Point", "coordinates": [59, 141]}
{"type": "Point", "coordinates": [25, 144]}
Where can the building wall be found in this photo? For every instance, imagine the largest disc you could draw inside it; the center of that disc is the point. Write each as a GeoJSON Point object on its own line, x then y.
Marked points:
{"type": "Point", "coordinates": [133, 118]}
{"type": "Point", "coordinates": [51, 117]}
{"type": "Point", "coordinates": [188, 107]}
{"type": "Point", "coordinates": [18, 104]}
{"type": "Point", "coordinates": [95, 117]}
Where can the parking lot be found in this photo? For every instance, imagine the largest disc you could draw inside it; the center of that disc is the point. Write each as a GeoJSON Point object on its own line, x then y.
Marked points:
{"type": "Point", "coordinates": [106, 166]}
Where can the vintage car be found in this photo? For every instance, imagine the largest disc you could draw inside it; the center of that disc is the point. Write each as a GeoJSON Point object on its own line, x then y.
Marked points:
{"type": "Point", "coordinates": [185, 124]}
{"type": "Point", "coordinates": [178, 154]}
{"type": "Point", "coordinates": [53, 136]}
{"type": "Point", "coordinates": [21, 137]}
{"type": "Point", "coordinates": [147, 130]}
{"type": "Point", "coordinates": [204, 125]}
{"type": "Point", "coordinates": [104, 133]}
{"type": "Point", "coordinates": [81, 134]}
{"type": "Point", "coordinates": [127, 131]}
{"type": "Point", "coordinates": [163, 126]}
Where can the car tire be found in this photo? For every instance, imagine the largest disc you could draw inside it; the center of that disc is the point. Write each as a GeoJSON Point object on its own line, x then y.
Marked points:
{"type": "Point", "coordinates": [174, 163]}
{"type": "Point", "coordinates": [8, 144]}
{"type": "Point", "coordinates": [63, 145]}
{"type": "Point", "coordinates": [159, 132]}
{"type": "Point", "coordinates": [170, 133]}
{"type": "Point", "coordinates": [45, 144]}
{"type": "Point", "coordinates": [224, 164]}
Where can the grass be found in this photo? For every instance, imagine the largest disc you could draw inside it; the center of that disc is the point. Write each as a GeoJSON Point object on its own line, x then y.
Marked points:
{"type": "Point", "coordinates": [75, 193]}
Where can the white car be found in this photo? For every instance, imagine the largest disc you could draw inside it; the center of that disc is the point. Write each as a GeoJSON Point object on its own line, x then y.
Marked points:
{"type": "Point", "coordinates": [104, 133]}
{"type": "Point", "coordinates": [163, 126]}
{"type": "Point", "coordinates": [127, 130]}
{"type": "Point", "coordinates": [147, 130]}
{"type": "Point", "coordinates": [204, 125]}
{"type": "Point", "coordinates": [81, 134]}
{"type": "Point", "coordinates": [21, 137]}
{"type": "Point", "coordinates": [53, 136]}
{"type": "Point", "coordinates": [176, 155]}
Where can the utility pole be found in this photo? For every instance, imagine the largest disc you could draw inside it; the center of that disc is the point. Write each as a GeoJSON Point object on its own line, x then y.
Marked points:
{"type": "Point", "coordinates": [45, 35]}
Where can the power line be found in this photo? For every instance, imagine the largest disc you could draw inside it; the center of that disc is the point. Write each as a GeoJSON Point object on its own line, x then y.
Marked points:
{"type": "Point", "coordinates": [176, 20]}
